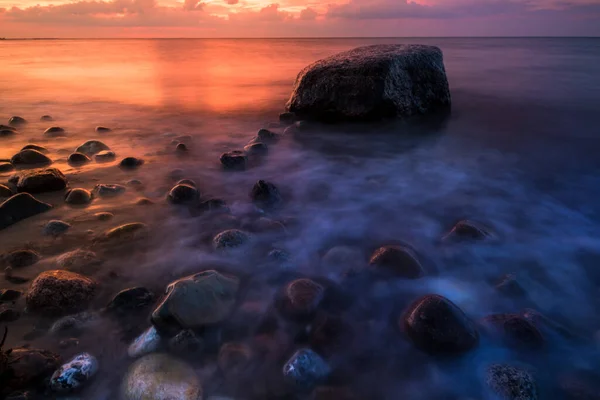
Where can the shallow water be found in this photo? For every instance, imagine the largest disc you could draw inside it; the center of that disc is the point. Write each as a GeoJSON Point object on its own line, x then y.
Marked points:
{"type": "Point", "coordinates": [519, 152]}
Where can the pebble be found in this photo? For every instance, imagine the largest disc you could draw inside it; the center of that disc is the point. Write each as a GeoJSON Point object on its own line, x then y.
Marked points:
{"type": "Point", "coordinates": [511, 383]}
{"type": "Point", "coordinates": [148, 342]}
{"type": "Point", "coordinates": [92, 147]}
{"type": "Point", "coordinates": [466, 230]}
{"type": "Point", "coordinates": [186, 343]}
{"type": "Point", "coordinates": [78, 260]}
{"type": "Point", "coordinates": [16, 121]}
{"type": "Point", "coordinates": [230, 239]}
{"type": "Point", "coordinates": [265, 194]}
{"type": "Point", "coordinates": [78, 158]}
{"type": "Point", "coordinates": [131, 231]}
{"type": "Point", "coordinates": [36, 147]}
{"type": "Point", "coordinates": [5, 191]}
{"type": "Point", "coordinates": [131, 299]}
{"type": "Point", "coordinates": [22, 258]}
{"type": "Point", "coordinates": [39, 181]}
{"type": "Point", "coordinates": [267, 136]}
{"type": "Point", "coordinates": [73, 323]}
{"type": "Point", "coordinates": [234, 160]}
{"type": "Point", "coordinates": [131, 162]}
{"type": "Point", "coordinates": [181, 148]}
{"type": "Point", "coordinates": [60, 292]}
{"type": "Point", "coordinates": [104, 190]}
{"type": "Point", "coordinates": [144, 201]}
{"type": "Point", "coordinates": [46, 118]}
{"type": "Point", "coordinates": [56, 228]}
{"type": "Point", "coordinates": [396, 261]}
{"type": "Point", "coordinates": [288, 117]}
{"type": "Point", "coordinates": [105, 156]}
{"type": "Point", "coordinates": [300, 299]}
{"type": "Point", "coordinates": [256, 149]}
{"type": "Point", "coordinates": [182, 194]}
{"type": "Point", "coordinates": [306, 369]}
{"type": "Point", "coordinates": [135, 183]}
{"type": "Point", "coordinates": [188, 182]}
{"type": "Point", "coordinates": [74, 374]}
{"type": "Point", "coordinates": [104, 216]}
{"type": "Point", "coordinates": [54, 131]}
{"type": "Point", "coordinates": [78, 196]}
{"type": "Point", "coordinates": [103, 129]}
{"type": "Point", "coordinates": [7, 128]}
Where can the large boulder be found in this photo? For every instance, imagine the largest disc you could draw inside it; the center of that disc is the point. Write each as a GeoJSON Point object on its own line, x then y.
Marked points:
{"type": "Point", "coordinates": [161, 377]}
{"type": "Point", "coordinates": [60, 292]}
{"type": "Point", "coordinates": [19, 207]}
{"type": "Point", "coordinates": [39, 181]}
{"type": "Point", "coordinates": [372, 82]}
{"type": "Point", "coordinates": [195, 301]}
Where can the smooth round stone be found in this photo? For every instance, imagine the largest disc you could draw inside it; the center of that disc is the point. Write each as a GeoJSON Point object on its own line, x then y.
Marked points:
{"type": "Point", "coordinates": [161, 377]}
{"type": "Point", "coordinates": [306, 369]}
{"type": "Point", "coordinates": [182, 194]}
{"type": "Point", "coordinates": [103, 129]}
{"type": "Point", "coordinates": [8, 295]}
{"type": "Point", "coordinates": [74, 374]}
{"type": "Point", "coordinates": [19, 207]}
{"type": "Point", "coordinates": [46, 118]}
{"type": "Point", "coordinates": [396, 261]}
{"type": "Point", "coordinates": [344, 258]}
{"type": "Point", "coordinates": [513, 329]}
{"type": "Point", "coordinates": [256, 149]}
{"type": "Point", "coordinates": [92, 147]}
{"type": "Point", "coordinates": [105, 190]}
{"type": "Point", "coordinates": [188, 182]}
{"type": "Point", "coordinates": [135, 183]}
{"type": "Point", "coordinates": [105, 156]}
{"type": "Point", "coordinates": [131, 299]}
{"type": "Point", "coordinates": [16, 121]}
{"type": "Point", "coordinates": [230, 239]}
{"type": "Point", "coordinates": [78, 158]}
{"type": "Point", "coordinates": [22, 258]}
{"type": "Point", "coordinates": [267, 136]}
{"type": "Point", "coordinates": [36, 147]}
{"type": "Point", "coordinates": [181, 148]}
{"type": "Point", "coordinates": [234, 160]}
{"type": "Point", "coordinates": [7, 128]}
{"type": "Point", "coordinates": [73, 323]}
{"type": "Point", "coordinates": [437, 326]}
{"type": "Point", "coordinates": [7, 132]}
{"type": "Point", "coordinates": [103, 216]}
{"type": "Point", "coordinates": [30, 157]}
{"type": "Point", "coordinates": [131, 162]}
{"type": "Point", "coordinates": [6, 167]}
{"type": "Point", "coordinates": [148, 342]}
{"type": "Point", "coordinates": [466, 230]}
{"type": "Point", "coordinates": [60, 292]}
{"type": "Point", "coordinates": [56, 228]}
{"type": "Point", "coordinates": [78, 260]}
{"type": "Point", "coordinates": [131, 231]}
{"type": "Point", "coordinates": [78, 197]}
{"type": "Point", "coordinates": [265, 194]}
{"type": "Point", "coordinates": [511, 383]}
{"type": "Point", "coordinates": [144, 202]}
{"type": "Point", "coordinates": [54, 131]}
{"type": "Point", "coordinates": [301, 298]}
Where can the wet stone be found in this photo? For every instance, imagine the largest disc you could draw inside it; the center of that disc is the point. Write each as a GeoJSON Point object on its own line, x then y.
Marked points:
{"type": "Point", "coordinates": [7, 128]}
{"type": "Point", "coordinates": [188, 182]}
{"type": "Point", "coordinates": [182, 194]}
{"type": "Point", "coordinates": [6, 167]}
{"type": "Point", "coordinates": [46, 118]}
{"type": "Point", "coordinates": [30, 158]}
{"type": "Point", "coordinates": [9, 295]}
{"type": "Point", "coordinates": [396, 261]}
{"type": "Point", "coordinates": [131, 162]}
{"type": "Point", "coordinates": [60, 292]}
{"type": "Point", "coordinates": [181, 148]}
{"type": "Point", "coordinates": [92, 147]}
{"type": "Point", "coordinates": [104, 190]}
{"type": "Point", "coordinates": [466, 230]}
{"type": "Point", "coordinates": [22, 258]}
{"type": "Point", "coordinates": [105, 156]}
{"type": "Point", "coordinates": [35, 147]}
{"type": "Point", "coordinates": [73, 324]}
{"type": "Point", "coordinates": [103, 129]}
{"type": "Point", "coordinates": [78, 260]}
{"type": "Point", "coordinates": [131, 299]}
{"type": "Point", "coordinates": [234, 160]}
{"type": "Point", "coordinates": [256, 149]}
{"type": "Point", "coordinates": [306, 369]}
{"type": "Point", "coordinates": [510, 286]}
{"type": "Point", "coordinates": [300, 299]}
{"type": "Point", "coordinates": [131, 231]}
{"type": "Point", "coordinates": [343, 258]}
{"type": "Point", "coordinates": [144, 201]}
{"type": "Point", "coordinates": [231, 239]}
{"type": "Point", "coordinates": [78, 158]}
{"type": "Point", "coordinates": [267, 136]}
{"type": "Point", "coordinates": [16, 121]}
{"type": "Point", "coordinates": [78, 196]}
{"type": "Point", "coordinates": [54, 131]}
{"type": "Point", "coordinates": [104, 216]}
{"type": "Point", "coordinates": [511, 383]}
{"type": "Point", "coordinates": [437, 326]}
{"type": "Point", "coordinates": [148, 342]}
{"type": "Point", "coordinates": [213, 205]}
{"type": "Point", "coordinates": [74, 374]}
{"type": "Point", "coordinates": [7, 132]}
{"type": "Point", "coordinates": [265, 194]}
{"type": "Point", "coordinates": [40, 181]}
{"type": "Point", "coordinates": [56, 228]}
{"type": "Point", "coordinates": [186, 343]}
{"type": "Point", "coordinates": [9, 315]}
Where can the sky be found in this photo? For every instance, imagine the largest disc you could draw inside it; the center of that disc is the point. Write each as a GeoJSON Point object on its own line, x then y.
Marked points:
{"type": "Point", "coordinates": [297, 18]}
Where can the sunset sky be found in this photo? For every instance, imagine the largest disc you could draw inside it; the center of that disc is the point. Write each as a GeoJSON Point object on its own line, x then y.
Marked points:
{"type": "Point", "coordinates": [301, 18]}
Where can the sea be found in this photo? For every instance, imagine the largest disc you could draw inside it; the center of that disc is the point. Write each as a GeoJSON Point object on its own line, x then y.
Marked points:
{"type": "Point", "coordinates": [520, 152]}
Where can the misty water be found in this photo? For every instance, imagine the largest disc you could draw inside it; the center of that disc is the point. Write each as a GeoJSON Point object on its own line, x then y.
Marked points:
{"type": "Point", "coordinates": [519, 152]}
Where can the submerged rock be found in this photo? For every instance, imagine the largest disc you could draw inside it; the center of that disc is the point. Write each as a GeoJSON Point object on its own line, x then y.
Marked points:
{"type": "Point", "coordinates": [181, 148]}
{"type": "Point", "coordinates": [105, 156]}
{"type": "Point", "coordinates": [54, 131]}
{"type": "Point", "coordinates": [27, 368]}
{"type": "Point", "coordinates": [265, 194]}
{"type": "Point", "coordinates": [72, 375]}
{"type": "Point", "coordinates": [78, 158]}
{"type": "Point", "coordinates": [256, 149]}
{"type": "Point", "coordinates": [306, 369]}
{"type": "Point", "coordinates": [131, 231]}
{"type": "Point", "coordinates": [287, 117]}
{"type": "Point", "coordinates": [188, 182]}
{"type": "Point", "coordinates": [469, 230]}
{"type": "Point", "coordinates": [195, 301]}
{"type": "Point", "coordinates": [7, 128]}
{"type": "Point", "coordinates": [40, 181]}
{"type": "Point", "coordinates": [78, 260]}
{"type": "Point", "coordinates": [182, 193]}
{"type": "Point", "coordinates": [131, 162]}
{"type": "Point", "coordinates": [78, 196]}
{"type": "Point", "coordinates": [511, 383]}
{"type": "Point", "coordinates": [437, 326]}
{"type": "Point", "coordinates": [234, 359]}
{"type": "Point", "coordinates": [103, 216]}
{"type": "Point", "coordinates": [46, 118]}
{"type": "Point", "coordinates": [130, 299]}
{"type": "Point", "coordinates": [396, 261]}
{"type": "Point", "coordinates": [30, 157]}
{"type": "Point", "coordinates": [92, 147]}
{"type": "Point", "coordinates": [104, 190]}
{"type": "Point", "coordinates": [103, 129]}
{"type": "Point", "coordinates": [60, 292]}
{"type": "Point", "coordinates": [148, 342]}
{"type": "Point", "coordinates": [231, 239]}
{"type": "Point", "coordinates": [19, 207]}
{"type": "Point", "coordinates": [161, 377]}
{"type": "Point", "coordinates": [36, 147]}
{"type": "Point", "coordinates": [16, 121]}
{"type": "Point", "coordinates": [343, 258]}
{"type": "Point", "coordinates": [186, 343]}
{"type": "Point", "coordinates": [56, 228]}
{"type": "Point", "coordinates": [75, 323]}
{"type": "Point", "coordinates": [234, 160]}
{"type": "Point", "coordinates": [22, 258]}
{"type": "Point", "coordinates": [6, 167]}
{"type": "Point", "coordinates": [267, 136]}
{"type": "Point", "coordinates": [300, 299]}
{"type": "Point", "coordinates": [514, 330]}
{"type": "Point", "coordinates": [7, 132]}
{"type": "Point", "coordinates": [372, 82]}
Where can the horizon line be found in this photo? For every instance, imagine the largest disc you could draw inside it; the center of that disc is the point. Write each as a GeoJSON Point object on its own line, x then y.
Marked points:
{"type": "Point", "coordinates": [300, 37]}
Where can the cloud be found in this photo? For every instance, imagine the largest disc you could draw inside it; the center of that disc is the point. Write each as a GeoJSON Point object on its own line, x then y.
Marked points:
{"type": "Point", "coordinates": [192, 5]}
{"type": "Point", "coordinates": [231, 2]}
{"type": "Point", "coordinates": [308, 14]}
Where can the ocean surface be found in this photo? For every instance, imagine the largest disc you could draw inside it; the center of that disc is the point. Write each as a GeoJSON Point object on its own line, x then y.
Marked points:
{"type": "Point", "coordinates": [519, 152]}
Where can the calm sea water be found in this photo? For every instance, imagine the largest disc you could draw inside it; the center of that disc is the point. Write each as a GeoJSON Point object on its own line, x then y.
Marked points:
{"type": "Point", "coordinates": [520, 152]}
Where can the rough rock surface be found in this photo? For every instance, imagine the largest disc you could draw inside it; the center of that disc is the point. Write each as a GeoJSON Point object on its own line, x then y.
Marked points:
{"type": "Point", "coordinates": [372, 82]}
{"type": "Point", "coordinates": [78, 260]}
{"type": "Point", "coordinates": [511, 383]}
{"type": "Point", "coordinates": [469, 230]}
{"type": "Point", "coordinates": [231, 239]}
{"type": "Point", "coordinates": [437, 326]}
{"type": "Point", "coordinates": [195, 301]}
{"type": "Point", "coordinates": [74, 374]}
{"type": "Point", "coordinates": [161, 377]}
{"type": "Point", "coordinates": [19, 207]}
{"type": "Point", "coordinates": [234, 160]}
{"type": "Point", "coordinates": [60, 292]}
{"type": "Point", "coordinates": [306, 369]}
{"type": "Point", "coordinates": [39, 181]}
